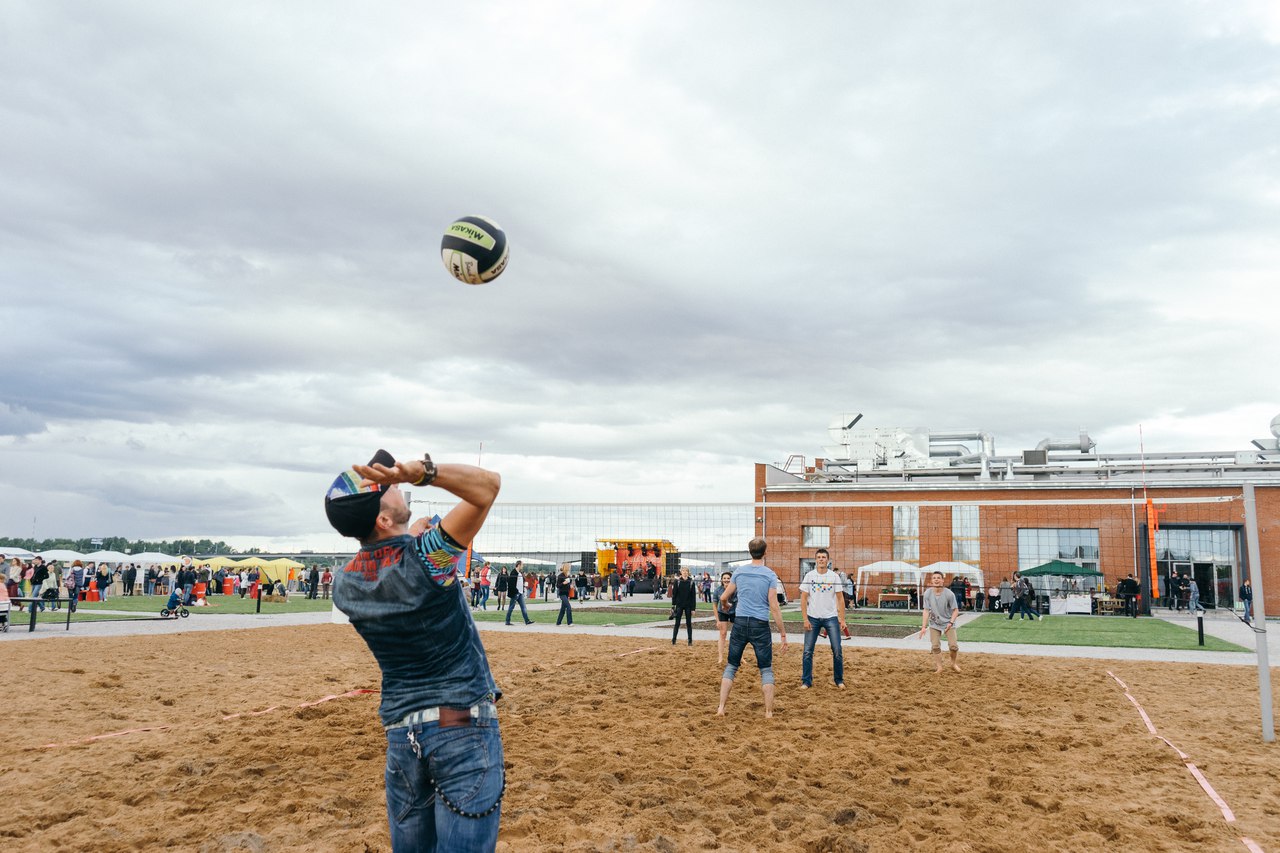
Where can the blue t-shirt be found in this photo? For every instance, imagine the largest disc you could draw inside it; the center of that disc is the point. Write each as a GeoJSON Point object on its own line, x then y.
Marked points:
{"type": "Point", "coordinates": [756, 584]}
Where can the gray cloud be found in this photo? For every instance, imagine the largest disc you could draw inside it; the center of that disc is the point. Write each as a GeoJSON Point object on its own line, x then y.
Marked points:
{"type": "Point", "coordinates": [219, 248]}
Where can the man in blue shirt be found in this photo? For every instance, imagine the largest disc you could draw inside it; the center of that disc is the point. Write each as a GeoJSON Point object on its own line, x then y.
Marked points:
{"type": "Point", "coordinates": [444, 772]}
{"type": "Point", "coordinates": [755, 585]}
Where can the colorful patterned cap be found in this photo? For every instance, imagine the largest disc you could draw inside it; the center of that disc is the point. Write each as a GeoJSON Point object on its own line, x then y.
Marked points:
{"type": "Point", "coordinates": [353, 508]}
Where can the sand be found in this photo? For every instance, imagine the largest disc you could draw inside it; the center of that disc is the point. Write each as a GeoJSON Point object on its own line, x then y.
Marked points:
{"type": "Point", "coordinates": [612, 744]}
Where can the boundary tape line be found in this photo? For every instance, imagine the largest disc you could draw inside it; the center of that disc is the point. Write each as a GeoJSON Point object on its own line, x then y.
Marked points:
{"type": "Point", "coordinates": [1227, 815]}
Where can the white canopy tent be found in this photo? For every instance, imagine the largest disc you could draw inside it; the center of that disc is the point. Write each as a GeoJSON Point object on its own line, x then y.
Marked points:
{"type": "Point", "coordinates": [915, 574]}
{"type": "Point", "coordinates": [953, 567]}
{"type": "Point", "coordinates": [107, 557]}
{"type": "Point", "coordinates": [153, 557]}
{"type": "Point", "coordinates": [61, 554]}
{"type": "Point", "coordinates": [20, 553]}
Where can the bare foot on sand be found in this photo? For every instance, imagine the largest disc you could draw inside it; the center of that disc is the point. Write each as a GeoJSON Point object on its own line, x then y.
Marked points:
{"type": "Point", "coordinates": [720, 711]}
{"type": "Point", "coordinates": [956, 667]}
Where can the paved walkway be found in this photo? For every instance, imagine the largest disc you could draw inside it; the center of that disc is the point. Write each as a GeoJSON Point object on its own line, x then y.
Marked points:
{"type": "Point", "coordinates": [1217, 624]}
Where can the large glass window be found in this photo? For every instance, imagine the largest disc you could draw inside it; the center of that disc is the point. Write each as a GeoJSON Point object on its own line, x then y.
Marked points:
{"type": "Point", "coordinates": [1037, 546]}
{"type": "Point", "coordinates": [965, 535]}
{"type": "Point", "coordinates": [815, 537]}
{"type": "Point", "coordinates": [906, 534]}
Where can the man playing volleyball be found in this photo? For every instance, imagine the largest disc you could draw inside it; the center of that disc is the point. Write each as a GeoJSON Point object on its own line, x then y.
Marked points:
{"type": "Point", "coordinates": [444, 773]}
{"type": "Point", "coordinates": [755, 585]}
{"type": "Point", "coordinates": [940, 614]}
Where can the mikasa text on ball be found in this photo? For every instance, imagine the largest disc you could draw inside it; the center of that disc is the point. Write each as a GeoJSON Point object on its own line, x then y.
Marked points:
{"type": "Point", "coordinates": [474, 249]}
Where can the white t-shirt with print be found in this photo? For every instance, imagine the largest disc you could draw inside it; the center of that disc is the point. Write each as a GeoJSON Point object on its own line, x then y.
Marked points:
{"type": "Point", "coordinates": [823, 589]}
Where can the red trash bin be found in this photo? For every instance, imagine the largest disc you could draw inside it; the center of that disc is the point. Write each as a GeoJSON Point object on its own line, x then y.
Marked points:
{"type": "Point", "coordinates": [198, 591]}
{"type": "Point", "coordinates": [93, 594]}
{"type": "Point", "coordinates": [228, 586]}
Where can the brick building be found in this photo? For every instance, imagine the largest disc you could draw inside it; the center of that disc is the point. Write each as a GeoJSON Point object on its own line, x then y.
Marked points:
{"type": "Point", "coordinates": [918, 497]}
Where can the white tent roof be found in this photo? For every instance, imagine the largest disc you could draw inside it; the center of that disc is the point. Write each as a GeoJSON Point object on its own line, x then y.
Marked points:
{"type": "Point", "coordinates": [953, 567]}
{"type": "Point", "coordinates": [917, 572]}
{"type": "Point", "coordinates": [61, 554]}
{"type": "Point", "coordinates": [107, 557]}
{"type": "Point", "coordinates": [22, 553]}
{"type": "Point", "coordinates": [153, 557]}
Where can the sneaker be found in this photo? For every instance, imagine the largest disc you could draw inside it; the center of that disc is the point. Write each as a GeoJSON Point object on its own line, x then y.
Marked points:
{"type": "Point", "coordinates": [528, 621]}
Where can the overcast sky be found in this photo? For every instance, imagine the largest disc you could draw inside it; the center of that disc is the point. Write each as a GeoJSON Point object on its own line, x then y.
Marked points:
{"type": "Point", "coordinates": [221, 281]}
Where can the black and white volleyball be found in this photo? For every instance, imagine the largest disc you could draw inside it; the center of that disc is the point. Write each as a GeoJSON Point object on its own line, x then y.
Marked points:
{"type": "Point", "coordinates": [474, 249]}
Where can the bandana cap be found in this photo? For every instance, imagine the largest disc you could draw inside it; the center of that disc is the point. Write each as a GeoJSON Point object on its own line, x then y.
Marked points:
{"type": "Point", "coordinates": [352, 508]}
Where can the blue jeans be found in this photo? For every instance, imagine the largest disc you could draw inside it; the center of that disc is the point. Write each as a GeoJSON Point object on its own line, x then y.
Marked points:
{"type": "Point", "coordinates": [484, 598]}
{"type": "Point", "coordinates": [459, 765]}
{"type": "Point", "coordinates": [1248, 610]}
{"type": "Point", "coordinates": [35, 593]}
{"type": "Point", "coordinates": [566, 609]}
{"type": "Point", "coordinates": [832, 624]}
{"type": "Point", "coordinates": [749, 630]}
{"type": "Point", "coordinates": [516, 597]}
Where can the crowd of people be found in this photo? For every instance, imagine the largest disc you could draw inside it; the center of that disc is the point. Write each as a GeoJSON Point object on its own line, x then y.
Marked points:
{"type": "Point", "coordinates": [54, 582]}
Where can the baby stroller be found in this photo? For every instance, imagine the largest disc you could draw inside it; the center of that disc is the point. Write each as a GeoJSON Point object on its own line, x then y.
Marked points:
{"type": "Point", "coordinates": [4, 615]}
{"type": "Point", "coordinates": [174, 606]}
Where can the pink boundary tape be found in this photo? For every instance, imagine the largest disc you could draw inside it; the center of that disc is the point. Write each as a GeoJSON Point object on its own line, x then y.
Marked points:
{"type": "Point", "coordinates": [359, 692]}
{"type": "Point", "coordinates": [1227, 815]}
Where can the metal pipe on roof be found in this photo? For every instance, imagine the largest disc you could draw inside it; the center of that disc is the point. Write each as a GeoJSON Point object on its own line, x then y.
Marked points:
{"type": "Point", "coordinates": [1084, 444]}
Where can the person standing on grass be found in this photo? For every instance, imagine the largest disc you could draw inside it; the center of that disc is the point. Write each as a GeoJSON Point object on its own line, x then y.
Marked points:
{"type": "Point", "coordinates": [756, 587]}
{"type": "Point", "coordinates": [822, 603]}
{"type": "Point", "coordinates": [684, 600]}
{"type": "Point", "coordinates": [939, 619]}
{"type": "Point", "coordinates": [563, 584]}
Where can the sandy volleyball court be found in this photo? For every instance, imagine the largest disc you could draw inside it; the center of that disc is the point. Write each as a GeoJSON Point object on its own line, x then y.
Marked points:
{"type": "Point", "coordinates": [612, 744]}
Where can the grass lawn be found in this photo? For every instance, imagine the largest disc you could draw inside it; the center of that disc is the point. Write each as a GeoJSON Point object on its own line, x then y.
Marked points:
{"type": "Point", "coordinates": [1101, 631]}
{"type": "Point", "coordinates": [581, 616]}
{"type": "Point", "coordinates": [882, 617]}
{"type": "Point", "coordinates": [21, 621]}
{"type": "Point", "coordinates": [217, 604]}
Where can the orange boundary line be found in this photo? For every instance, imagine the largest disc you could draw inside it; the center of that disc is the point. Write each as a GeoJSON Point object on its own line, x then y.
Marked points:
{"type": "Point", "coordinates": [1227, 815]}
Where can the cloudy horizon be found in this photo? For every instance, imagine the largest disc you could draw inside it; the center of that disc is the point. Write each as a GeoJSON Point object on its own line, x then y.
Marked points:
{"type": "Point", "coordinates": [727, 224]}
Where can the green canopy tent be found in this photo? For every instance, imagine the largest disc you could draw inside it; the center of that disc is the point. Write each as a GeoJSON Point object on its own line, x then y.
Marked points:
{"type": "Point", "coordinates": [1058, 567]}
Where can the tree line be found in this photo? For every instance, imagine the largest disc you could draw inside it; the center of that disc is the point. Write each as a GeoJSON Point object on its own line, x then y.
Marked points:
{"type": "Point", "coordinates": [203, 547]}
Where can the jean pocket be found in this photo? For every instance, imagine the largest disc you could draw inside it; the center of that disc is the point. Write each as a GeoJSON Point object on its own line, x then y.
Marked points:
{"type": "Point", "coordinates": [404, 781]}
{"type": "Point", "coordinates": [467, 768]}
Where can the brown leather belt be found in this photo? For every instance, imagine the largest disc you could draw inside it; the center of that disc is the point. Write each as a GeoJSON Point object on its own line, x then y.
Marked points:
{"type": "Point", "coordinates": [454, 717]}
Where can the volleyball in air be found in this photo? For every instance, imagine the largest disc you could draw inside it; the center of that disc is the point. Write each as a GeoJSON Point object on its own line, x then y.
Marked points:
{"type": "Point", "coordinates": [474, 249]}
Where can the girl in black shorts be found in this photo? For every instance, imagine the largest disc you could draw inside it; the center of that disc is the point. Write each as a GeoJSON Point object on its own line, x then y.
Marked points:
{"type": "Point", "coordinates": [724, 617]}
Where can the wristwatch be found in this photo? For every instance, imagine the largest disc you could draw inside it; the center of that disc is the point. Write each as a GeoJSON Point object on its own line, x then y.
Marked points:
{"type": "Point", "coordinates": [428, 471]}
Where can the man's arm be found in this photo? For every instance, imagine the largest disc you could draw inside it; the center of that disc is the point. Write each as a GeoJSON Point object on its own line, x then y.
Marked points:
{"type": "Point", "coordinates": [475, 487]}
{"type": "Point", "coordinates": [729, 590]}
{"type": "Point", "coordinates": [804, 607]}
{"type": "Point", "coordinates": [776, 610]}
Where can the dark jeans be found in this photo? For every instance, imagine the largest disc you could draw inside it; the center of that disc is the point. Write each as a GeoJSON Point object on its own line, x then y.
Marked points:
{"type": "Point", "coordinates": [566, 609]}
{"type": "Point", "coordinates": [1131, 606]}
{"type": "Point", "coordinates": [755, 632]}
{"type": "Point", "coordinates": [832, 624]}
{"type": "Point", "coordinates": [1022, 606]}
{"type": "Point", "coordinates": [460, 764]}
{"type": "Point", "coordinates": [687, 612]}
{"type": "Point", "coordinates": [516, 598]}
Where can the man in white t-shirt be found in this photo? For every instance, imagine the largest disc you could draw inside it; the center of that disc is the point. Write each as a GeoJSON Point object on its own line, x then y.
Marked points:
{"type": "Point", "coordinates": [822, 603]}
